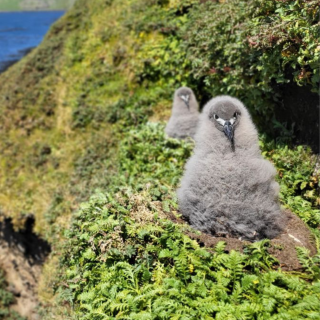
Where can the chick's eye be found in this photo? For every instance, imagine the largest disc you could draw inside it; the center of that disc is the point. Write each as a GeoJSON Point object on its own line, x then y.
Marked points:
{"type": "Point", "coordinates": [235, 115]}
{"type": "Point", "coordinates": [216, 117]}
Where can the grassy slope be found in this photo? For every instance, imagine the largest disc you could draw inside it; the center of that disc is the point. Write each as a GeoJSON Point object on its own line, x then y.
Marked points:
{"type": "Point", "coordinates": [57, 121]}
{"type": "Point", "coordinates": [16, 5]}
{"type": "Point", "coordinates": [66, 106]}
{"type": "Point", "coordinates": [41, 125]}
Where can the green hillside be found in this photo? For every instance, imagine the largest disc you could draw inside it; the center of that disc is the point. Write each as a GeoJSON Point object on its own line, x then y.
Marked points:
{"type": "Point", "coordinates": [18, 5]}
{"type": "Point", "coordinates": [82, 119]}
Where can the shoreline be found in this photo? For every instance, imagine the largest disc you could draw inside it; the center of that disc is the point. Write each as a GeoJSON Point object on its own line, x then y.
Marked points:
{"type": "Point", "coordinates": [33, 10]}
{"type": "Point", "coordinates": [6, 64]}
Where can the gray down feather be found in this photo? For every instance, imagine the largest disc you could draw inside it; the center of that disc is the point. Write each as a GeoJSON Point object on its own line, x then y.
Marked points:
{"type": "Point", "coordinates": [185, 113]}
{"type": "Point", "coordinates": [228, 189]}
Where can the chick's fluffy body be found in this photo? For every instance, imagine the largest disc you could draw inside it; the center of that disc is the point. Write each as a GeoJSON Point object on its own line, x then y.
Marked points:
{"type": "Point", "coordinates": [183, 121]}
{"type": "Point", "coordinates": [226, 192]}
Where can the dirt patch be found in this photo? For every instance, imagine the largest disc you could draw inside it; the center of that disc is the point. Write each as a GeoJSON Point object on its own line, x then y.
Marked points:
{"type": "Point", "coordinates": [295, 235]}
{"type": "Point", "coordinates": [283, 247]}
{"type": "Point", "coordinates": [22, 254]}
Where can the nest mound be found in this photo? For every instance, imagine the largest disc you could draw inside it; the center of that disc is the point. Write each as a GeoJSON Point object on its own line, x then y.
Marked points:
{"type": "Point", "coordinates": [283, 247]}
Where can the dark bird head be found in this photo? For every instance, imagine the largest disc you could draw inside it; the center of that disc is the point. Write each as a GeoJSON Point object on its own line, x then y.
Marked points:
{"type": "Point", "coordinates": [185, 95]}
{"type": "Point", "coordinates": [225, 115]}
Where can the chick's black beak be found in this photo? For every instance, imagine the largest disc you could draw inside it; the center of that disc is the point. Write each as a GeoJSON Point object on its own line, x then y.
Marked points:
{"type": "Point", "coordinates": [228, 131]}
{"type": "Point", "coordinates": [187, 104]}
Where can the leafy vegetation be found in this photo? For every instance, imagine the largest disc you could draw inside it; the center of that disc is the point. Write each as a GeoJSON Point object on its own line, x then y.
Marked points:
{"type": "Point", "coordinates": [86, 116]}
{"type": "Point", "coordinates": [263, 44]}
{"type": "Point", "coordinates": [299, 180]}
{"type": "Point", "coordinates": [126, 259]}
{"type": "Point", "coordinates": [126, 262]}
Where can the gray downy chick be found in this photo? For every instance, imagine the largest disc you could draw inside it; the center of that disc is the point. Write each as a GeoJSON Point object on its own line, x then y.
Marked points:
{"type": "Point", "coordinates": [228, 189]}
{"type": "Point", "coordinates": [185, 113]}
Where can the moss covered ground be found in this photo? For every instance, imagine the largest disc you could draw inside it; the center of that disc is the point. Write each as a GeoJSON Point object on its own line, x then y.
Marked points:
{"type": "Point", "coordinates": [83, 114]}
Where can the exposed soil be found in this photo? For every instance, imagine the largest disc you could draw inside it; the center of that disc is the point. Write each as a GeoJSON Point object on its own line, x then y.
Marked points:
{"type": "Point", "coordinates": [22, 254]}
{"type": "Point", "coordinates": [283, 247]}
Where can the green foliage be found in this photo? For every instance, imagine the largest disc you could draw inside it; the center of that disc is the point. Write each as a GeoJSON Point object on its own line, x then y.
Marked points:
{"type": "Point", "coordinates": [260, 258]}
{"type": "Point", "coordinates": [125, 259]}
{"type": "Point", "coordinates": [298, 178]}
{"type": "Point", "coordinates": [165, 63]}
{"type": "Point", "coordinates": [80, 119]}
{"type": "Point", "coordinates": [292, 28]}
{"type": "Point", "coordinates": [243, 48]}
{"type": "Point", "coordinates": [146, 156]}
{"type": "Point", "coordinates": [120, 265]}
{"type": "Point", "coordinates": [311, 264]}
{"type": "Point", "coordinates": [163, 60]}
{"type": "Point", "coordinates": [133, 110]}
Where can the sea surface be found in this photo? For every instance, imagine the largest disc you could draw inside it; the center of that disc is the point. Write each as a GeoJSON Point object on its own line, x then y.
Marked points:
{"type": "Point", "coordinates": [22, 31]}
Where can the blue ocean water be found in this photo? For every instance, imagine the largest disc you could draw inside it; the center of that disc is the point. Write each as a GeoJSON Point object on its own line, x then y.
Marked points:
{"type": "Point", "coordinates": [22, 31]}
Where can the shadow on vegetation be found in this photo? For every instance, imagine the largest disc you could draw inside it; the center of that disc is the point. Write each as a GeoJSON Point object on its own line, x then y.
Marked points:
{"type": "Point", "coordinates": [4, 65]}
{"type": "Point", "coordinates": [33, 247]}
{"type": "Point", "coordinates": [298, 109]}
